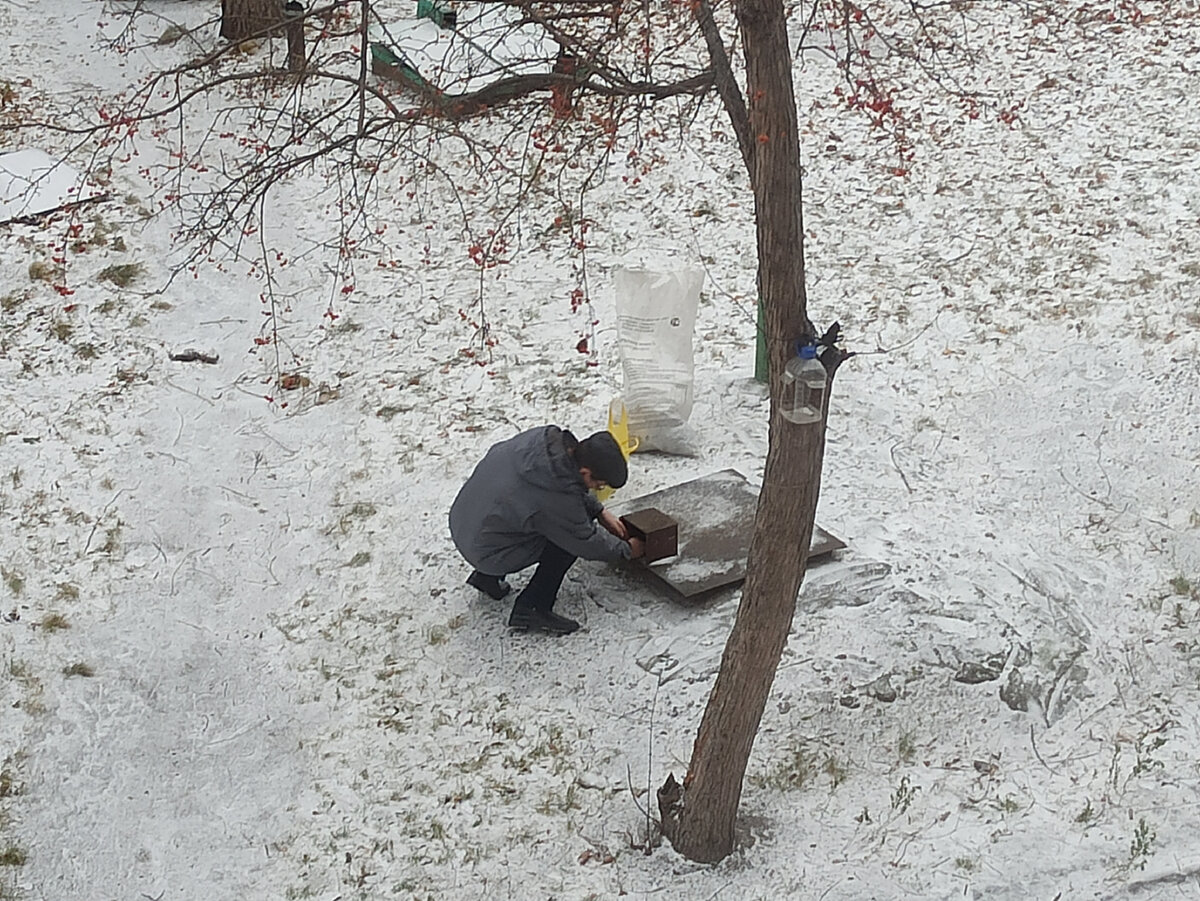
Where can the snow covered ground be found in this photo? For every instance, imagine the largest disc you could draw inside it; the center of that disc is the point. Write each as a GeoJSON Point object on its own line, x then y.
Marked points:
{"type": "Point", "coordinates": [239, 660]}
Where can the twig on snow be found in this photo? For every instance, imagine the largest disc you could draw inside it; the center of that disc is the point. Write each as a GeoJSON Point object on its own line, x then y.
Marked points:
{"type": "Point", "coordinates": [650, 754]}
{"type": "Point", "coordinates": [913, 340]}
{"type": "Point", "coordinates": [1038, 755]}
{"type": "Point", "coordinates": [647, 848]}
{"type": "Point", "coordinates": [721, 889]}
{"type": "Point", "coordinates": [633, 791]}
{"type": "Point", "coordinates": [903, 477]}
{"type": "Point", "coordinates": [99, 518]}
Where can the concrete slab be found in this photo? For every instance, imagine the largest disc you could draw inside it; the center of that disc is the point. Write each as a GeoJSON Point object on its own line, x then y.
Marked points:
{"type": "Point", "coordinates": [715, 514]}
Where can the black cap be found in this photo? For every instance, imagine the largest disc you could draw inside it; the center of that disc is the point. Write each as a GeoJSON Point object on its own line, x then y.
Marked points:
{"type": "Point", "coordinates": [601, 454]}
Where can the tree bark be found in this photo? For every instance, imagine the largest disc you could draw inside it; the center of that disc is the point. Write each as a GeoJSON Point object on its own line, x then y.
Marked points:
{"type": "Point", "coordinates": [294, 14]}
{"type": "Point", "coordinates": [698, 817]}
{"type": "Point", "coordinates": [244, 19]}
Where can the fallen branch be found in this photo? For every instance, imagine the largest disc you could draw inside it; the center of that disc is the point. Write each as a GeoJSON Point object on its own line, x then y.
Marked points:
{"type": "Point", "coordinates": [42, 215]}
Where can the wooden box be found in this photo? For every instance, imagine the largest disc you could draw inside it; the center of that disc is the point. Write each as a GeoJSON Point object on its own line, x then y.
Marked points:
{"type": "Point", "coordinates": [659, 531]}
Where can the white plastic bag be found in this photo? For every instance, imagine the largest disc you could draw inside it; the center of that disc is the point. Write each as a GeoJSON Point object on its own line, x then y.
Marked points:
{"type": "Point", "coordinates": [656, 316]}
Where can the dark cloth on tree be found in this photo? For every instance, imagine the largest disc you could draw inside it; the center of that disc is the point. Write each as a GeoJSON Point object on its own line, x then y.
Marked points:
{"type": "Point", "coordinates": [526, 493]}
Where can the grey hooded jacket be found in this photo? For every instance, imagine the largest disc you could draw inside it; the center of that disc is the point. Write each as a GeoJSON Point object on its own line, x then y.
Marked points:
{"type": "Point", "coordinates": [527, 491]}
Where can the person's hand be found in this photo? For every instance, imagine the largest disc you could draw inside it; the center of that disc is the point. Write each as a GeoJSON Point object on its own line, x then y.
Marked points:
{"type": "Point", "coordinates": [638, 547]}
{"type": "Point", "coordinates": [613, 524]}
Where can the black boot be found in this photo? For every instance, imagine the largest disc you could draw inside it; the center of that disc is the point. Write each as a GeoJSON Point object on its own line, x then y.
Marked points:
{"type": "Point", "coordinates": [493, 586]}
{"type": "Point", "coordinates": [532, 619]}
{"type": "Point", "coordinates": [534, 606]}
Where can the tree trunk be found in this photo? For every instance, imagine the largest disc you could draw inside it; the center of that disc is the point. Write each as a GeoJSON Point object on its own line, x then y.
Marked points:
{"type": "Point", "coordinates": [294, 13]}
{"type": "Point", "coordinates": [244, 19]}
{"type": "Point", "coordinates": [698, 817]}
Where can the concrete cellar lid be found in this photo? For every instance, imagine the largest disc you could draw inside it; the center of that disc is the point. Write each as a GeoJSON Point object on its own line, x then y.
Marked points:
{"type": "Point", "coordinates": [715, 514]}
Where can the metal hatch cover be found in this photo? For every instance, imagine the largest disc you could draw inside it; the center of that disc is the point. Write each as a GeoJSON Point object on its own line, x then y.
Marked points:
{"type": "Point", "coordinates": [715, 514]}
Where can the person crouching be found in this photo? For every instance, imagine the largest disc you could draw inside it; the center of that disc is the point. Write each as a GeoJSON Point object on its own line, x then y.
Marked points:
{"type": "Point", "coordinates": [529, 502]}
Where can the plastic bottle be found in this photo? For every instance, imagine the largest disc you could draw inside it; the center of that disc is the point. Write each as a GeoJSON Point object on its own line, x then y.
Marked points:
{"type": "Point", "coordinates": [804, 382]}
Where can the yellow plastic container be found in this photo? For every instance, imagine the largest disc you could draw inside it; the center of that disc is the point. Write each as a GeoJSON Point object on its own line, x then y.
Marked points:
{"type": "Point", "coordinates": [618, 427]}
